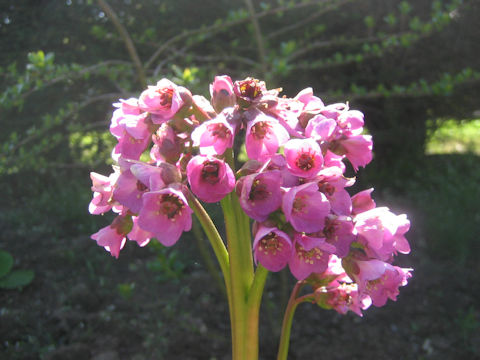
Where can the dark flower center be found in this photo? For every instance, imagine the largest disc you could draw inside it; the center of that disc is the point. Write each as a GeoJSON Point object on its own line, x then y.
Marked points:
{"type": "Point", "coordinates": [260, 130]}
{"type": "Point", "coordinates": [210, 172]}
{"type": "Point", "coordinates": [305, 161]}
{"type": "Point", "coordinates": [171, 205]}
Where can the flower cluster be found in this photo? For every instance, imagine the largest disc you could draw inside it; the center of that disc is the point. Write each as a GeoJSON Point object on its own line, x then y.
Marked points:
{"type": "Point", "coordinates": [293, 185]}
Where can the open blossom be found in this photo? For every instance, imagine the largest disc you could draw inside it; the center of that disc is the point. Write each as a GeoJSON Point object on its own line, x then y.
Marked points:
{"type": "Point", "coordinates": [162, 100]}
{"type": "Point", "coordinates": [102, 188]}
{"type": "Point", "coordinates": [214, 136]}
{"type": "Point", "coordinates": [377, 229]}
{"type": "Point", "coordinates": [310, 255]}
{"type": "Point", "coordinates": [166, 214]}
{"type": "Point", "coordinates": [305, 208]}
{"type": "Point", "coordinates": [378, 279]}
{"type": "Point", "coordinates": [358, 150]}
{"type": "Point", "coordinates": [210, 178]}
{"type": "Point", "coordinates": [272, 248]}
{"type": "Point", "coordinates": [139, 235]}
{"type": "Point", "coordinates": [167, 146]}
{"type": "Point", "coordinates": [264, 136]}
{"type": "Point", "coordinates": [261, 194]}
{"type": "Point", "coordinates": [304, 157]}
{"type": "Point", "coordinates": [351, 122]}
{"type": "Point", "coordinates": [113, 237]}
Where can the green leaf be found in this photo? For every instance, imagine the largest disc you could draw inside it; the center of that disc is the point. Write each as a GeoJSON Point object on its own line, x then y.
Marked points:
{"type": "Point", "coordinates": [6, 263]}
{"type": "Point", "coordinates": [17, 279]}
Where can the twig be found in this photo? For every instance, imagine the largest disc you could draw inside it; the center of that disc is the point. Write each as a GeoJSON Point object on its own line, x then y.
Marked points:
{"type": "Point", "coordinates": [258, 38]}
{"type": "Point", "coordinates": [132, 51]}
{"type": "Point", "coordinates": [219, 27]}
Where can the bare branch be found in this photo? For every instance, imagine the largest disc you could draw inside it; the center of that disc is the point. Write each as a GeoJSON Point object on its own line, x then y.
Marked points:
{"type": "Point", "coordinates": [132, 51]}
{"type": "Point", "coordinates": [258, 37]}
{"type": "Point", "coordinates": [335, 5]}
{"type": "Point", "coordinates": [222, 26]}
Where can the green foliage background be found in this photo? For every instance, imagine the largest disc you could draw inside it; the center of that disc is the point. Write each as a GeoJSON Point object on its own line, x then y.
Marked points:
{"type": "Point", "coordinates": [405, 64]}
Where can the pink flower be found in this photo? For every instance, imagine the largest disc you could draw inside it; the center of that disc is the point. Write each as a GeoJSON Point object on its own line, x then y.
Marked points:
{"type": "Point", "coordinates": [320, 128]}
{"type": "Point", "coordinates": [102, 188]}
{"type": "Point", "coordinates": [304, 157]}
{"type": "Point", "coordinates": [342, 297]}
{"type": "Point", "coordinates": [248, 91]}
{"type": "Point", "coordinates": [339, 232]}
{"type": "Point", "coordinates": [381, 232]}
{"type": "Point", "coordinates": [264, 136]}
{"type": "Point", "coordinates": [210, 178]}
{"type": "Point", "coordinates": [133, 136]}
{"type": "Point", "coordinates": [113, 237]}
{"type": "Point", "coordinates": [362, 201]}
{"type": "Point", "coordinates": [351, 122]}
{"type": "Point", "coordinates": [139, 235]}
{"type": "Point", "coordinates": [272, 248]}
{"type": "Point", "coordinates": [310, 255]}
{"type": "Point", "coordinates": [261, 194]}
{"type": "Point", "coordinates": [165, 213]}
{"type": "Point", "coordinates": [163, 100]}
{"type": "Point", "coordinates": [221, 91]}
{"type": "Point", "coordinates": [358, 149]}
{"type": "Point", "coordinates": [378, 279]}
{"type": "Point", "coordinates": [214, 136]}
{"type": "Point", "coordinates": [305, 208]}
{"type": "Point", "coordinates": [167, 145]}
{"type": "Point", "coordinates": [334, 189]}
{"type": "Point", "coordinates": [129, 190]}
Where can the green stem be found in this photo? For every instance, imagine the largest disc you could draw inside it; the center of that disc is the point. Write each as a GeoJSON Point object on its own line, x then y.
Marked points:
{"type": "Point", "coordinates": [212, 234]}
{"type": "Point", "coordinates": [253, 312]}
{"type": "Point", "coordinates": [293, 302]}
{"type": "Point", "coordinates": [207, 257]}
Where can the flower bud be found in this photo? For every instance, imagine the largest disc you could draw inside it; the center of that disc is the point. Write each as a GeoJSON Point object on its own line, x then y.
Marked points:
{"type": "Point", "coordinates": [221, 91]}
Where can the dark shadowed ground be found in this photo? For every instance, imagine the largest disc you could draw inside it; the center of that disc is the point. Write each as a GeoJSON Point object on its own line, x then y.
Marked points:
{"type": "Point", "coordinates": [84, 304]}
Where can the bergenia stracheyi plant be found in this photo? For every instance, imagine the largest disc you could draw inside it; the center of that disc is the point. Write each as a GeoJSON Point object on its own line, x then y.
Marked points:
{"type": "Point", "coordinates": [285, 206]}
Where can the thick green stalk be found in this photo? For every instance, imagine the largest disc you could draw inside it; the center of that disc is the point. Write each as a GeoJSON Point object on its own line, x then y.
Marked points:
{"type": "Point", "coordinates": [253, 312]}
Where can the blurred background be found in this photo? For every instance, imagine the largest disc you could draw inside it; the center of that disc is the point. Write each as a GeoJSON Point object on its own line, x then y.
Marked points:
{"type": "Point", "coordinates": [412, 67]}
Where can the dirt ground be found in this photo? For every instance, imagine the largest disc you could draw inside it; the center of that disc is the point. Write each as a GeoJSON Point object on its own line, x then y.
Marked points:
{"type": "Point", "coordinates": [84, 304]}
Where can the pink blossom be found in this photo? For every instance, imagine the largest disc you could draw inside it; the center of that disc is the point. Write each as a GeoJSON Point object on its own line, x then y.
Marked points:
{"type": "Point", "coordinates": [342, 297]}
{"type": "Point", "coordinates": [113, 237]}
{"type": "Point", "coordinates": [310, 255]}
{"type": "Point", "coordinates": [264, 136]}
{"type": "Point", "coordinates": [139, 235]}
{"type": "Point", "coordinates": [165, 213]}
{"type": "Point", "coordinates": [304, 157]}
{"type": "Point", "coordinates": [163, 100]}
{"type": "Point", "coordinates": [333, 111]}
{"type": "Point", "coordinates": [132, 133]}
{"type": "Point", "coordinates": [320, 128]}
{"type": "Point", "coordinates": [351, 122]}
{"type": "Point", "coordinates": [272, 248]}
{"type": "Point", "coordinates": [221, 91]}
{"type": "Point", "coordinates": [261, 194]}
{"type": "Point", "coordinates": [378, 279]}
{"type": "Point", "coordinates": [214, 136]}
{"type": "Point", "coordinates": [305, 208]}
{"type": "Point", "coordinates": [362, 201]}
{"type": "Point", "coordinates": [129, 190]}
{"type": "Point", "coordinates": [102, 188]}
{"type": "Point", "coordinates": [334, 189]}
{"type": "Point", "coordinates": [167, 146]}
{"type": "Point", "coordinates": [339, 232]}
{"type": "Point", "coordinates": [358, 150]}
{"type": "Point", "coordinates": [210, 178]}
{"type": "Point", "coordinates": [248, 91]}
{"type": "Point", "coordinates": [381, 232]}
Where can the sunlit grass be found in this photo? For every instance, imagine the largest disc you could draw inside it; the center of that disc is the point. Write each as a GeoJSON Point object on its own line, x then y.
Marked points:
{"type": "Point", "coordinates": [454, 137]}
